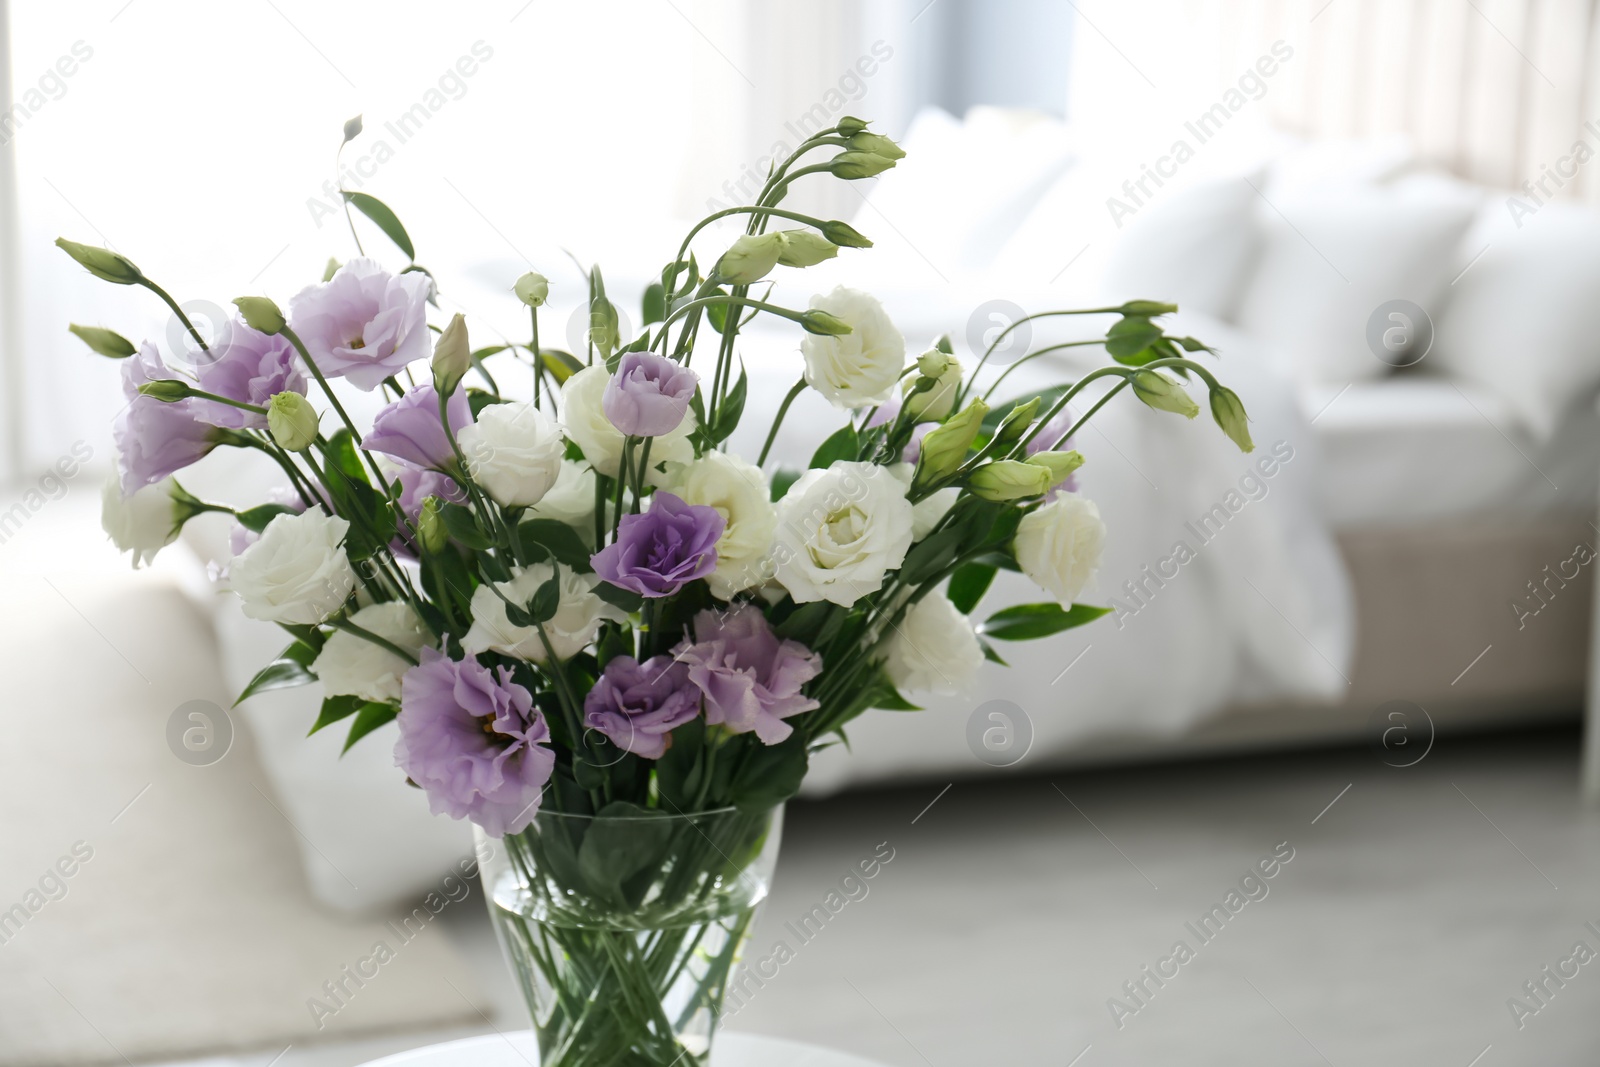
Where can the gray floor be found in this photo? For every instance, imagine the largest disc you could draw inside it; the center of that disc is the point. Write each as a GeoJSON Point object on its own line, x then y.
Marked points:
{"type": "Point", "coordinates": [1413, 909]}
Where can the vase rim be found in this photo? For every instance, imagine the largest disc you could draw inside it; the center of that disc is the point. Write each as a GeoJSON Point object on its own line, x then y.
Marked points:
{"type": "Point", "coordinates": [653, 814]}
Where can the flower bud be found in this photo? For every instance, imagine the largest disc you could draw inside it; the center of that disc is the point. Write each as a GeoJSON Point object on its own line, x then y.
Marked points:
{"type": "Point", "coordinates": [945, 447]}
{"type": "Point", "coordinates": [452, 355]}
{"type": "Point", "coordinates": [1010, 479]}
{"type": "Point", "coordinates": [331, 269]}
{"type": "Point", "coordinates": [932, 402]}
{"type": "Point", "coordinates": [102, 262]}
{"type": "Point", "coordinates": [431, 529]}
{"type": "Point", "coordinates": [292, 421]}
{"type": "Point", "coordinates": [849, 126]}
{"type": "Point", "coordinates": [750, 259]}
{"type": "Point", "coordinates": [261, 314]}
{"type": "Point", "coordinates": [844, 235]}
{"type": "Point", "coordinates": [815, 320]}
{"type": "Point", "coordinates": [853, 165]}
{"type": "Point", "coordinates": [877, 144]}
{"type": "Point", "coordinates": [802, 248]}
{"type": "Point", "coordinates": [532, 289]}
{"type": "Point", "coordinates": [107, 343]}
{"type": "Point", "coordinates": [166, 390]}
{"type": "Point", "coordinates": [1016, 422]}
{"type": "Point", "coordinates": [1146, 308]}
{"type": "Point", "coordinates": [1164, 394]}
{"type": "Point", "coordinates": [1059, 464]}
{"type": "Point", "coordinates": [352, 129]}
{"type": "Point", "coordinates": [1229, 412]}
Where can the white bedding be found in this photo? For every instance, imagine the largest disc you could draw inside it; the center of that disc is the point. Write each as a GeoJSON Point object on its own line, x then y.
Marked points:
{"type": "Point", "coordinates": [1411, 449]}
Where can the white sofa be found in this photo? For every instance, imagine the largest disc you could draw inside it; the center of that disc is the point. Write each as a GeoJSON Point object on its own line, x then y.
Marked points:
{"type": "Point", "coordinates": [1379, 563]}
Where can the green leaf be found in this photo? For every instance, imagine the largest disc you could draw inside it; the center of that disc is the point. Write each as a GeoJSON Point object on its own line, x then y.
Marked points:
{"type": "Point", "coordinates": [844, 444]}
{"type": "Point", "coordinates": [561, 365]}
{"type": "Point", "coordinates": [368, 719]}
{"type": "Point", "coordinates": [655, 303]}
{"type": "Point", "coordinates": [478, 399]}
{"type": "Point", "coordinates": [257, 518]}
{"type": "Point", "coordinates": [1026, 622]}
{"type": "Point", "coordinates": [968, 584]}
{"type": "Point", "coordinates": [805, 623]}
{"type": "Point", "coordinates": [883, 696]}
{"type": "Point", "coordinates": [990, 654]}
{"type": "Point", "coordinates": [623, 839]}
{"type": "Point", "coordinates": [558, 539]}
{"type": "Point", "coordinates": [343, 456]}
{"type": "Point", "coordinates": [546, 599]}
{"type": "Point", "coordinates": [379, 212]}
{"type": "Point", "coordinates": [769, 774]}
{"type": "Point", "coordinates": [782, 479]}
{"type": "Point", "coordinates": [290, 669]}
{"type": "Point", "coordinates": [943, 345]}
{"type": "Point", "coordinates": [626, 599]}
{"type": "Point", "coordinates": [732, 408]}
{"type": "Point", "coordinates": [462, 523]}
{"type": "Point", "coordinates": [678, 771]}
{"type": "Point", "coordinates": [717, 314]}
{"type": "Point", "coordinates": [1130, 336]}
{"type": "Point", "coordinates": [335, 709]}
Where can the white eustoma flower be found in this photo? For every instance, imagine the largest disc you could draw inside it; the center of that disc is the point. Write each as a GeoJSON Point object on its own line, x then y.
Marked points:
{"type": "Point", "coordinates": [840, 531]}
{"type": "Point", "coordinates": [861, 367]}
{"type": "Point", "coordinates": [585, 422]}
{"type": "Point", "coordinates": [933, 649]}
{"type": "Point", "coordinates": [143, 523]}
{"type": "Point", "coordinates": [350, 665]}
{"type": "Point", "coordinates": [297, 571]}
{"type": "Point", "coordinates": [1058, 545]}
{"type": "Point", "coordinates": [570, 499]}
{"type": "Point", "coordinates": [927, 512]}
{"type": "Point", "coordinates": [577, 620]}
{"type": "Point", "coordinates": [513, 452]}
{"type": "Point", "coordinates": [743, 498]}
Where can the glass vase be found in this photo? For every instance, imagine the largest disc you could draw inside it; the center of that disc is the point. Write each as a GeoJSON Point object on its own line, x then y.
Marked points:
{"type": "Point", "coordinates": [625, 933]}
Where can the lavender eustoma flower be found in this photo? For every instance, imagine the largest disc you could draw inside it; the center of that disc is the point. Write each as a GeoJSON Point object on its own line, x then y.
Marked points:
{"type": "Point", "coordinates": [664, 549]}
{"type": "Point", "coordinates": [409, 429]}
{"type": "Point", "coordinates": [638, 705]}
{"type": "Point", "coordinates": [472, 739]}
{"type": "Point", "coordinates": [364, 323]}
{"type": "Point", "coordinates": [156, 438]}
{"type": "Point", "coordinates": [648, 394]}
{"type": "Point", "coordinates": [249, 366]}
{"type": "Point", "coordinates": [1047, 437]}
{"type": "Point", "coordinates": [751, 679]}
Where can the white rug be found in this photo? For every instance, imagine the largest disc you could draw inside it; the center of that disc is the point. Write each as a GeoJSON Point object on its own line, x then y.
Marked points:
{"type": "Point", "coordinates": [184, 927]}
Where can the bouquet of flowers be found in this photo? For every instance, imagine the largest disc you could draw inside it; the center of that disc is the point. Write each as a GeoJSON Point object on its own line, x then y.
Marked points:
{"type": "Point", "coordinates": [605, 639]}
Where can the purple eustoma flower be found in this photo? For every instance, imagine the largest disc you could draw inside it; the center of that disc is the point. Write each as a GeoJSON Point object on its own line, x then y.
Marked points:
{"type": "Point", "coordinates": [750, 678]}
{"type": "Point", "coordinates": [409, 429]}
{"type": "Point", "coordinates": [648, 394]}
{"type": "Point", "coordinates": [472, 739]}
{"type": "Point", "coordinates": [364, 323]}
{"type": "Point", "coordinates": [248, 366]}
{"type": "Point", "coordinates": [664, 549]}
{"type": "Point", "coordinates": [638, 705]}
{"type": "Point", "coordinates": [156, 438]}
{"type": "Point", "coordinates": [1047, 437]}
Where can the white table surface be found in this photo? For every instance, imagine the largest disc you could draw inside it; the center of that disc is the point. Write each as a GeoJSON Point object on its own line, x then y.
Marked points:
{"type": "Point", "coordinates": [518, 1050]}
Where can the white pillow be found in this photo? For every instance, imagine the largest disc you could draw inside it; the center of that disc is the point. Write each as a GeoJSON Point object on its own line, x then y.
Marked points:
{"type": "Point", "coordinates": [1333, 255]}
{"type": "Point", "coordinates": [964, 187]}
{"type": "Point", "coordinates": [1525, 319]}
{"type": "Point", "coordinates": [1192, 248]}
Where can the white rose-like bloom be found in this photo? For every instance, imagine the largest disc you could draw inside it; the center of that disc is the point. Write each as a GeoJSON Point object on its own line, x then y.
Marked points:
{"type": "Point", "coordinates": [296, 572]}
{"type": "Point", "coordinates": [840, 531]}
{"type": "Point", "coordinates": [742, 497]}
{"type": "Point", "coordinates": [570, 499]}
{"type": "Point", "coordinates": [350, 665]}
{"type": "Point", "coordinates": [585, 422]}
{"type": "Point", "coordinates": [933, 649]}
{"type": "Point", "coordinates": [514, 452]}
{"type": "Point", "coordinates": [1058, 545]}
{"type": "Point", "coordinates": [863, 366]}
{"type": "Point", "coordinates": [143, 523]}
{"type": "Point", "coordinates": [577, 619]}
{"type": "Point", "coordinates": [927, 512]}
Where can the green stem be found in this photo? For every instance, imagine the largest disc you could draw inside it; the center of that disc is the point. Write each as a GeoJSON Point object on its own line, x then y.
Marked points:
{"type": "Point", "coordinates": [382, 642]}
{"type": "Point", "coordinates": [783, 410]}
{"type": "Point", "coordinates": [176, 310]}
